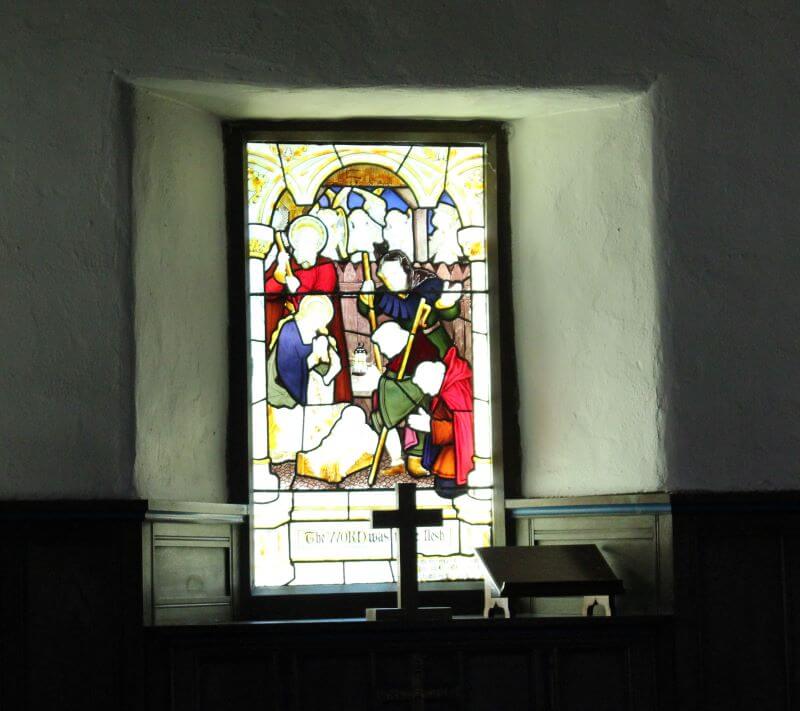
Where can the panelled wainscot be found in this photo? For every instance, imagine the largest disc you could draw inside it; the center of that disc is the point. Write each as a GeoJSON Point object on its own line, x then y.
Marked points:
{"type": "Point", "coordinates": [190, 562]}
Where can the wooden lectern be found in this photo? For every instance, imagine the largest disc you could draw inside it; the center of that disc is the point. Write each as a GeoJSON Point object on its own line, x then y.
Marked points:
{"type": "Point", "coordinates": [547, 571]}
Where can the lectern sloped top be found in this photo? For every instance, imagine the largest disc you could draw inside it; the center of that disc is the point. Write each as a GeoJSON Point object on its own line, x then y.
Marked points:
{"type": "Point", "coordinates": [551, 571]}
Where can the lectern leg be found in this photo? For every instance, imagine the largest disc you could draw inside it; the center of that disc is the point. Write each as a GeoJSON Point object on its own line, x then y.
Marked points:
{"type": "Point", "coordinates": [490, 600]}
{"type": "Point", "coordinates": [592, 602]}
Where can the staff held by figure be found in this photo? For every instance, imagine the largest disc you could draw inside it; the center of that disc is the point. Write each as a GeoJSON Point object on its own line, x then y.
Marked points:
{"type": "Point", "coordinates": [373, 319]}
{"type": "Point", "coordinates": [419, 320]}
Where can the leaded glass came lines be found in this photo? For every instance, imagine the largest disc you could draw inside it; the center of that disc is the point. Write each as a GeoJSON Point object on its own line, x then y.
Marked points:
{"type": "Point", "coordinates": [369, 351]}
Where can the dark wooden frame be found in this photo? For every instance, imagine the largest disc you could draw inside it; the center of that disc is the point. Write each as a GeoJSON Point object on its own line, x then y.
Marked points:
{"type": "Point", "coordinates": [463, 597]}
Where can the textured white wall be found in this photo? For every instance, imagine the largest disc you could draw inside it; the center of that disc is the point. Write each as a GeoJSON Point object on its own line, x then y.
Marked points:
{"type": "Point", "coordinates": [585, 290]}
{"type": "Point", "coordinates": [586, 302]}
{"type": "Point", "coordinates": [181, 313]}
{"type": "Point", "coordinates": [725, 189]}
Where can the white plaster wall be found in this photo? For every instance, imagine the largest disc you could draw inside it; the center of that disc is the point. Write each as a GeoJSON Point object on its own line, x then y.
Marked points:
{"type": "Point", "coordinates": [586, 303]}
{"type": "Point", "coordinates": [179, 271]}
{"type": "Point", "coordinates": [725, 185]}
{"type": "Point", "coordinates": [584, 259]}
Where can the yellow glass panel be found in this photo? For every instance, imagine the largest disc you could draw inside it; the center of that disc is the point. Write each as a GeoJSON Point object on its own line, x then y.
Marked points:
{"type": "Point", "coordinates": [265, 181]}
{"type": "Point", "coordinates": [271, 562]}
{"type": "Point", "coordinates": [424, 172]}
{"type": "Point", "coordinates": [386, 156]}
{"type": "Point", "coordinates": [306, 166]}
{"type": "Point", "coordinates": [466, 183]}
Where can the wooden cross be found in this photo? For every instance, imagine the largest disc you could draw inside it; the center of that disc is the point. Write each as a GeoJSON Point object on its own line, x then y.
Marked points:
{"type": "Point", "coordinates": [406, 518]}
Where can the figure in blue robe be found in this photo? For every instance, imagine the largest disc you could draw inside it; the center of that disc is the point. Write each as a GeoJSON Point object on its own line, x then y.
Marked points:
{"type": "Point", "coordinates": [300, 345]}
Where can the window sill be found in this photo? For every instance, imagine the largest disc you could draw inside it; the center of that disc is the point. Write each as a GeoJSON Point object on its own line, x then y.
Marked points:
{"type": "Point", "coordinates": [351, 601]}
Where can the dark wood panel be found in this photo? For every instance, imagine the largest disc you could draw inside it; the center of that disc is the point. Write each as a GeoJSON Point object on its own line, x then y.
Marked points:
{"type": "Point", "coordinates": [736, 584]}
{"type": "Point", "coordinates": [467, 664]}
{"type": "Point", "coordinates": [742, 621]}
{"type": "Point", "coordinates": [791, 567]}
{"type": "Point", "coordinates": [343, 676]}
{"type": "Point", "coordinates": [235, 684]}
{"type": "Point", "coordinates": [71, 621]}
{"type": "Point", "coordinates": [592, 678]}
{"type": "Point", "coordinates": [69, 601]}
{"type": "Point", "coordinates": [13, 653]}
{"type": "Point", "coordinates": [487, 675]}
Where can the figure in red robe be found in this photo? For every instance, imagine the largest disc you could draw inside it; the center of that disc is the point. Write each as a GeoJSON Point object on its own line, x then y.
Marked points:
{"type": "Point", "coordinates": [450, 446]}
{"type": "Point", "coordinates": [305, 272]}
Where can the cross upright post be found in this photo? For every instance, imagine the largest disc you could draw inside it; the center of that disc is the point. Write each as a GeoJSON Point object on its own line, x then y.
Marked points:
{"type": "Point", "coordinates": [406, 518]}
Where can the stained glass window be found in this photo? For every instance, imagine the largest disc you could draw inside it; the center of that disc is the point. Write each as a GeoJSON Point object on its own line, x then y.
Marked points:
{"type": "Point", "coordinates": [369, 339]}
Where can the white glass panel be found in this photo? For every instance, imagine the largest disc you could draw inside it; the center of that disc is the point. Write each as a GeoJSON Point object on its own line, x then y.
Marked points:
{"type": "Point", "coordinates": [474, 510]}
{"type": "Point", "coordinates": [429, 499]}
{"type": "Point", "coordinates": [257, 317]}
{"type": "Point", "coordinates": [258, 365]}
{"type": "Point", "coordinates": [318, 574]}
{"type": "Point", "coordinates": [256, 276]}
{"type": "Point", "coordinates": [363, 503]}
{"type": "Point", "coordinates": [480, 313]}
{"type": "Point", "coordinates": [482, 474]}
{"type": "Point", "coordinates": [271, 557]}
{"type": "Point", "coordinates": [479, 279]}
{"type": "Point", "coordinates": [473, 537]}
{"type": "Point", "coordinates": [318, 423]}
{"type": "Point", "coordinates": [481, 372]}
{"type": "Point", "coordinates": [274, 511]}
{"type": "Point", "coordinates": [369, 571]}
{"type": "Point", "coordinates": [263, 478]}
{"type": "Point", "coordinates": [259, 433]}
{"type": "Point", "coordinates": [319, 505]}
{"type": "Point", "coordinates": [483, 429]}
{"type": "Point", "coordinates": [285, 433]}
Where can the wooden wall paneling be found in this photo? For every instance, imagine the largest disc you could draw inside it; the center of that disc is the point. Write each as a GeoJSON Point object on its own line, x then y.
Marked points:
{"type": "Point", "coordinates": [790, 549]}
{"type": "Point", "coordinates": [742, 618]}
{"type": "Point", "coordinates": [665, 565]}
{"type": "Point", "coordinates": [505, 681]}
{"type": "Point", "coordinates": [469, 664]}
{"type": "Point", "coordinates": [13, 650]}
{"type": "Point", "coordinates": [212, 676]}
{"type": "Point", "coordinates": [688, 602]}
{"type": "Point", "coordinates": [82, 614]}
{"type": "Point", "coordinates": [344, 676]}
{"type": "Point", "coordinates": [634, 533]}
{"type": "Point", "coordinates": [190, 571]}
{"type": "Point", "coordinates": [627, 542]}
{"type": "Point", "coordinates": [591, 678]}
{"type": "Point", "coordinates": [736, 590]}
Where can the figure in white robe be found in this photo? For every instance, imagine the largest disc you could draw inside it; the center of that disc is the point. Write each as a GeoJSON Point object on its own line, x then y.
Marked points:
{"type": "Point", "coordinates": [444, 245]}
{"type": "Point", "coordinates": [399, 231]}
{"type": "Point", "coordinates": [335, 221]}
{"type": "Point", "coordinates": [363, 234]}
{"type": "Point", "coordinates": [348, 448]}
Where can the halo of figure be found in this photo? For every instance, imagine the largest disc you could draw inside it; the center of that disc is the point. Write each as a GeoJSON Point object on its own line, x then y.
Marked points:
{"type": "Point", "coordinates": [305, 271]}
